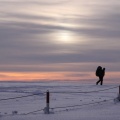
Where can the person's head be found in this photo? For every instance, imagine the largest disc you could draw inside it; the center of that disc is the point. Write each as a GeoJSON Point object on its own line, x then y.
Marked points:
{"type": "Point", "coordinates": [99, 67]}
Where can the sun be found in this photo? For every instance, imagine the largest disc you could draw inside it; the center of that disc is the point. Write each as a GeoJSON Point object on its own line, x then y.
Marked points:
{"type": "Point", "coordinates": [64, 37]}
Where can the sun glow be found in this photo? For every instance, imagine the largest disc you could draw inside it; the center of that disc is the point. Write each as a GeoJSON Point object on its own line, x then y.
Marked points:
{"type": "Point", "coordinates": [64, 37]}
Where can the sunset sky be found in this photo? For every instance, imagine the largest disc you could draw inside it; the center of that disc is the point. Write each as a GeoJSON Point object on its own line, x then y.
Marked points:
{"type": "Point", "coordinates": [59, 39]}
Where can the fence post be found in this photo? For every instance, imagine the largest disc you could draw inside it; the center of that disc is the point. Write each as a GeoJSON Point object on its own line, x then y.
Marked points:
{"type": "Point", "coordinates": [119, 89]}
{"type": "Point", "coordinates": [47, 101]}
{"type": "Point", "coordinates": [119, 94]}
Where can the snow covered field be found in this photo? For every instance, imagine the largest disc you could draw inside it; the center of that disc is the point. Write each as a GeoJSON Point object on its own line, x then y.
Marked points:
{"type": "Point", "coordinates": [68, 101]}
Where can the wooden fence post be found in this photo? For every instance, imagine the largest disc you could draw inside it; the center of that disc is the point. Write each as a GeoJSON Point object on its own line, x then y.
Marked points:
{"type": "Point", "coordinates": [119, 94]}
{"type": "Point", "coordinates": [47, 101]}
{"type": "Point", "coordinates": [119, 90]}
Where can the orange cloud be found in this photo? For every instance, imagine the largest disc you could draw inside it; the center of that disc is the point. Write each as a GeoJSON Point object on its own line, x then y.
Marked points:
{"type": "Point", "coordinates": [31, 76]}
{"type": "Point", "coordinates": [38, 76]}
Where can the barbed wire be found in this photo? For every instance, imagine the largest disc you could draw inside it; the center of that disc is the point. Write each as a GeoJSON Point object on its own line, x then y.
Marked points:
{"type": "Point", "coordinates": [63, 107]}
{"type": "Point", "coordinates": [63, 92]}
{"type": "Point", "coordinates": [71, 106]}
{"type": "Point", "coordinates": [19, 97]}
{"type": "Point", "coordinates": [83, 104]}
{"type": "Point", "coordinates": [78, 105]}
{"type": "Point", "coordinates": [85, 91]}
{"type": "Point", "coordinates": [86, 104]}
{"type": "Point", "coordinates": [33, 112]}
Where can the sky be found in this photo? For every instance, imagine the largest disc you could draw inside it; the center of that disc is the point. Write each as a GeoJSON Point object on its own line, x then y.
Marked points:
{"type": "Point", "coordinates": [59, 39]}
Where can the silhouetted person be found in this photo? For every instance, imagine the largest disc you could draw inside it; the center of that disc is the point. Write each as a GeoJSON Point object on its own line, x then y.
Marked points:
{"type": "Point", "coordinates": [100, 73]}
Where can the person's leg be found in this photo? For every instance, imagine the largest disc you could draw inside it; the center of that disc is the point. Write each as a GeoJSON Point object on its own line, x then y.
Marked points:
{"type": "Point", "coordinates": [98, 81]}
{"type": "Point", "coordinates": [101, 79]}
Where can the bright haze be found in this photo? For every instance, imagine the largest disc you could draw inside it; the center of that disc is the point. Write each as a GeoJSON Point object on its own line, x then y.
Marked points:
{"type": "Point", "coordinates": [59, 39]}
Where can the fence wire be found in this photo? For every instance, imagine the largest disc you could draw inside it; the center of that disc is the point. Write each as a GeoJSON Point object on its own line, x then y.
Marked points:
{"type": "Point", "coordinates": [63, 92]}
{"type": "Point", "coordinates": [78, 105]}
{"type": "Point", "coordinates": [19, 97]}
{"type": "Point", "coordinates": [85, 91]}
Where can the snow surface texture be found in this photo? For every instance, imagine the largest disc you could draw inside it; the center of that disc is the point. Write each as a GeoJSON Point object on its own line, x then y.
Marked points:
{"type": "Point", "coordinates": [68, 101]}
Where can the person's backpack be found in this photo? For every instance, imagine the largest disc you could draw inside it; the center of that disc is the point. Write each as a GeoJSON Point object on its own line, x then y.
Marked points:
{"type": "Point", "coordinates": [103, 72]}
{"type": "Point", "coordinates": [98, 70]}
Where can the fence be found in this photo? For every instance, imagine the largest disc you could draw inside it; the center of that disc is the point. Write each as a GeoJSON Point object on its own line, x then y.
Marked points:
{"type": "Point", "coordinates": [47, 108]}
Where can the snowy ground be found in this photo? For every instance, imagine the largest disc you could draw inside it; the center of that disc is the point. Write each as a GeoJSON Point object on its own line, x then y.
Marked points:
{"type": "Point", "coordinates": [68, 100]}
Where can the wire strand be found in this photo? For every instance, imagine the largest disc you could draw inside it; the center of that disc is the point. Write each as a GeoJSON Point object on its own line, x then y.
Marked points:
{"type": "Point", "coordinates": [18, 97]}
{"type": "Point", "coordinates": [82, 104]}
{"type": "Point", "coordinates": [86, 91]}
{"type": "Point", "coordinates": [33, 112]}
{"type": "Point", "coordinates": [64, 92]}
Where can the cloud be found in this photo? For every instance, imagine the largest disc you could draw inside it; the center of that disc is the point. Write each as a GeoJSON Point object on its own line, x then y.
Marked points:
{"type": "Point", "coordinates": [25, 38]}
{"type": "Point", "coordinates": [78, 75]}
{"type": "Point", "coordinates": [103, 26]}
{"type": "Point", "coordinates": [3, 76]}
{"type": "Point", "coordinates": [23, 57]}
{"type": "Point", "coordinates": [40, 2]}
